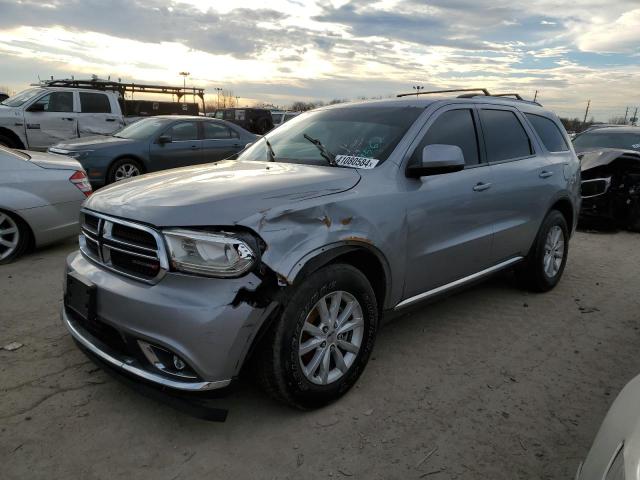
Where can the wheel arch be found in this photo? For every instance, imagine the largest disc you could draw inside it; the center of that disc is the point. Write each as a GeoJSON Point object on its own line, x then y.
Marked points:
{"type": "Point", "coordinates": [564, 205]}
{"type": "Point", "coordinates": [18, 143]}
{"type": "Point", "coordinates": [365, 257]}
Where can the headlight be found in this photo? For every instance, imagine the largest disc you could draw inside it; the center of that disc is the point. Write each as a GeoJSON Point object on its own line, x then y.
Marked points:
{"type": "Point", "coordinates": [80, 154]}
{"type": "Point", "coordinates": [211, 254]}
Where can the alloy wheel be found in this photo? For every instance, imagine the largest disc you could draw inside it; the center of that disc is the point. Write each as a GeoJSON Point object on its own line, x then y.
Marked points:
{"type": "Point", "coordinates": [331, 338]}
{"type": "Point", "coordinates": [9, 236]}
{"type": "Point", "coordinates": [553, 251]}
{"type": "Point", "coordinates": [126, 170]}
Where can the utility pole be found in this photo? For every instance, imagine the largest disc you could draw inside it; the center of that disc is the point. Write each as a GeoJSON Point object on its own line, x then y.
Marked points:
{"type": "Point", "coordinates": [237, 100]}
{"type": "Point", "coordinates": [535, 96]}
{"type": "Point", "coordinates": [625, 115]}
{"type": "Point", "coordinates": [586, 112]}
{"type": "Point", "coordinates": [417, 88]}
{"type": "Point", "coordinates": [635, 117]}
{"type": "Point", "coordinates": [218, 90]}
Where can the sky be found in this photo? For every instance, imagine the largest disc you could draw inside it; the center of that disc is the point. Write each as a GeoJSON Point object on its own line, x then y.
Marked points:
{"type": "Point", "coordinates": [280, 51]}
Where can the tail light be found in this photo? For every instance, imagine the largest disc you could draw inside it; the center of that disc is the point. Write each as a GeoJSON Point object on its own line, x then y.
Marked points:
{"type": "Point", "coordinates": [80, 180]}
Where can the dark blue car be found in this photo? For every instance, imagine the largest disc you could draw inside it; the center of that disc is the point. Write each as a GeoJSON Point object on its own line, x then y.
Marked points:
{"type": "Point", "coordinates": [153, 144]}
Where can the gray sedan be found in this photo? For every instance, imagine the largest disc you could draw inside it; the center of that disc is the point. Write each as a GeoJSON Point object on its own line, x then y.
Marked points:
{"type": "Point", "coordinates": [40, 197]}
{"type": "Point", "coordinates": [153, 144]}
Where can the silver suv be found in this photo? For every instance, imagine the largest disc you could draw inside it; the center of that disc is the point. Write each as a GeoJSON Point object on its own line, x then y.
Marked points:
{"type": "Point", "coordinates": [286, 258]}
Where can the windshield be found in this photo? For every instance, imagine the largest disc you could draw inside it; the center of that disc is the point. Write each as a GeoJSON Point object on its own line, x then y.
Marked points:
{"type": "Point", "coordinates": [608, 139]}
{"type": "Point", "coordinates": [14, 153]}
{"type": "Point", "coordinates": [142, 129]}
{"type": "Point", "coordinates": [370, 132]}
{"type": "Point", "coordinates": [22, 98]}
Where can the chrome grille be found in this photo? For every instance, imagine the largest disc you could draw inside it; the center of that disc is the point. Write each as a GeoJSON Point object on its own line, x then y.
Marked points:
{"type": "Point", "coordinates": [129, 248]}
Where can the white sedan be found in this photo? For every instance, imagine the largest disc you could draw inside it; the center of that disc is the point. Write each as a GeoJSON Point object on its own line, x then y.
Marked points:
{"type": "Point", "coordinates": [40, 199]}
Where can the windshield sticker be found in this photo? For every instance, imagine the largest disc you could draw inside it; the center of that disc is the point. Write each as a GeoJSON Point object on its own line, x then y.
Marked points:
{"type": "Point", "coordinates": [356, 162]}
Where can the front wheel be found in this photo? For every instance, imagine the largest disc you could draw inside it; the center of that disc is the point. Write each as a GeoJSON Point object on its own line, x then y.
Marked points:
{"type": "Point", "coordinates": [124, 168]}
{"type": "Point", "coordinates": [545, 263]}
{"type": "Point", "coordinates": [320, 345]}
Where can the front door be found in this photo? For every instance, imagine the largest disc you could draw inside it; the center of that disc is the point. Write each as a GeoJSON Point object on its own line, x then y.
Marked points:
{"type": "Point", "coordinates": [50, 120]}
{"type": "Point", "coordinates": [182, 149]}
{"type": "Point", "coordinates": [450, 224]}
{"type": "Point", "coordinates": [218, 141]}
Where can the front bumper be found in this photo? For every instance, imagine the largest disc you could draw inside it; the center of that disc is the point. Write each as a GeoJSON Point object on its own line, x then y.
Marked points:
{"type": "Point", "coordinates": [199, 319]}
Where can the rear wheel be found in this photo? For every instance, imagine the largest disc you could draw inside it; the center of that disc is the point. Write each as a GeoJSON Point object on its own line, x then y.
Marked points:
{"type": "Point", "coordinates": [320, 345]}
{"type": "Point", "coordinates": [545, 263]}
{"type": "Point", "coordinates": [123, 169]}
{"type": "Point", "coordinates": [14, 237]}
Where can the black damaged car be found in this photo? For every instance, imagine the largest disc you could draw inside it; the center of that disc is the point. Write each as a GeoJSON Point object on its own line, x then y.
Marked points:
{"type": "Point", "coordinates": [610, 164]}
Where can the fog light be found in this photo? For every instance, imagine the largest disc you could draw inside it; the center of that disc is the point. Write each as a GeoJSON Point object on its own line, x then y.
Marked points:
{"type": "Point", "coordinates": [178, 363]}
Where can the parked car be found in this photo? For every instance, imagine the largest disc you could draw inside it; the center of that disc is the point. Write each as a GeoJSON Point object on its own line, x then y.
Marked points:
{"type": "Point", "coordinates": [287, 258]}
{"type": "Point", "coordinates": [40, 198]}
{"type": "Point", "coordinates": [42, 116]}
{"type": "Point", "coordinates": [615, 453]}
{"type": "Point", "coordinates": [153, 144]}
{"type": "Point", "coordinates": [255, 120]}
{"type": "Point", "coordinates": [621, 137]}
{"type": "Point", "coordinates": [611, 188]}
{"type": "Point", "coordinates": [280, 116]}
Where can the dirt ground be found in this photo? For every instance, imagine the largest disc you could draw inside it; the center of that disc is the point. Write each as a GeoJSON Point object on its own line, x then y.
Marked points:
{"type": "Point", "coordinates": [491, 383]}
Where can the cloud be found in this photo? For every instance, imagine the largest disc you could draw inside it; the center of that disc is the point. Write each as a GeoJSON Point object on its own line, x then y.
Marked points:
{"type": "Point", "coordinates": [619, 35]}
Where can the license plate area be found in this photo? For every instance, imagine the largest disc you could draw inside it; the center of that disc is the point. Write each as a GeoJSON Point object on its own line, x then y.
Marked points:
{"type": "Point", "coordinates": [81, 297]}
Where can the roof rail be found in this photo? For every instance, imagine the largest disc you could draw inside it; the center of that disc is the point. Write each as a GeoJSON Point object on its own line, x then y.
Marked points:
{"type": "Point", "coordinates": [515, 95]}
{"type": "Point", "coordinates": [483, 90]}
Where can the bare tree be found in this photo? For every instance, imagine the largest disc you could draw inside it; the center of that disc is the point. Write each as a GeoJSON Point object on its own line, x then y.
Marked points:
{"type": "Point", "coordinates": [618, 120]}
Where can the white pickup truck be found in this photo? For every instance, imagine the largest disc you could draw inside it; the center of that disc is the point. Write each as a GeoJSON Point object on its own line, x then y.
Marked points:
{"type": "Point", "coordinates": [43, 116]}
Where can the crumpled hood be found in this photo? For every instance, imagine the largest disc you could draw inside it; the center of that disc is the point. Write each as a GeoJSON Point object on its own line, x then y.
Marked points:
{"type": "Point", "coordinates": [91, 143]}
{"type": "Point", "coordinates": [604, 156]}
{"type": "Point", "coordinates": [218, 194]}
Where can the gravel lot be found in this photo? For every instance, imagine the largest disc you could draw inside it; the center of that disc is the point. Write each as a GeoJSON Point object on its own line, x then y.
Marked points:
{"type": "Point", "coordinates": [492, 383]}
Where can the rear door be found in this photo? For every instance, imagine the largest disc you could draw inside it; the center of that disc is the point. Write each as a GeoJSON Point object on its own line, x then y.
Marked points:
{"type": "Point", "coordinates": [218, 141]}
{"type": "Point", "coordinates": [521, 172]}
{"type": "Point", "coordinates": [182, 150]}
{"type": "Point", "coordinates": [50, 120]}
{"type": "Point", "coordinates": [450, 225]}
{"type": "Point", "coordinates": [97, 115]}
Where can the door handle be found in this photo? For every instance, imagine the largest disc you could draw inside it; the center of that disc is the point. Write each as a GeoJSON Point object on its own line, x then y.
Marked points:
{"type": "Point", "coordinates": [109, 119]}
{"type": "Point", "coordinates": [545, 174]}
{"type": "Point", "coordinates": [67, 118]}
{"type": "Point", "coordinates": [481, 187]}
{"type": "Point", "coordinates": [194, 147]}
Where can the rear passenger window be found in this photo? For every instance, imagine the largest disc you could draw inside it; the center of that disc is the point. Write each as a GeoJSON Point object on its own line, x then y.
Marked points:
{"type": "Point", "coordinates": [504, 135]}
{"type": "Point", "coordinates": [94, 103]}
{"type": "Point", "coordinates": [455, 127]}
{"type": "Point", "coordinates": [214, 131]}
{"type": "Point", "coordinates": [548, 132]}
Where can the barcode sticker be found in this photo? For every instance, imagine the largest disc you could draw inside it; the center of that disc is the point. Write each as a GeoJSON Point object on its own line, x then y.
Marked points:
{"type": "Point", "coordinates": [356, 162]}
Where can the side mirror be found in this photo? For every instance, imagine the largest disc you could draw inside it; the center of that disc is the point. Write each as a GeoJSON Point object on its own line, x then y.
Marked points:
{"type": "Point", "coordinates": [36, 107]}
{"type": "Point", "coordinates": [437, 159]}
{"type": "Point", "coordinates": [162, 139]}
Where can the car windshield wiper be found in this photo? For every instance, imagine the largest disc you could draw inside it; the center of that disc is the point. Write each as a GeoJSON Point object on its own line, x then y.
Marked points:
{"type": "Point", "coordinates": [272, 154]}
{"type": "Point", "coordinates": [326, 154]}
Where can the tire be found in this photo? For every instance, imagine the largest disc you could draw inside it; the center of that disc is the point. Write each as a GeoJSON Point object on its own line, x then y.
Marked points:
{"type": "Point", "coordinates": [279, 363]}
{"type": "Point", "coordinates": [7, 142]}
{"type": "Point", "coordinates": [118, 169]}
{"type": "Point", "coordinates": [15, 237]}
{"type": "Point", "coordinates": [634, 218]}
{"type": "Point", "coordinates": [535, 273]}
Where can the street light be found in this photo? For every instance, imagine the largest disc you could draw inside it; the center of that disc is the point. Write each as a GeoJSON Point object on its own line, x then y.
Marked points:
{"type": "Point", "coordinates": [417, 88]}
{"type": "Point", "coordinates": [218, 90]}
{"type": "Point", "coordinates": [184, 76]}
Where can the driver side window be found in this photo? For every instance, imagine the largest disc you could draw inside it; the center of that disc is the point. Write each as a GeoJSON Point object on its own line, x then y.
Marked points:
{"type": "Point", "coordinates": [183, 132]}
{"type": "Point", "coordinates": [57, 102]}
{"type": "Point", "coordinates": [454, 127]}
